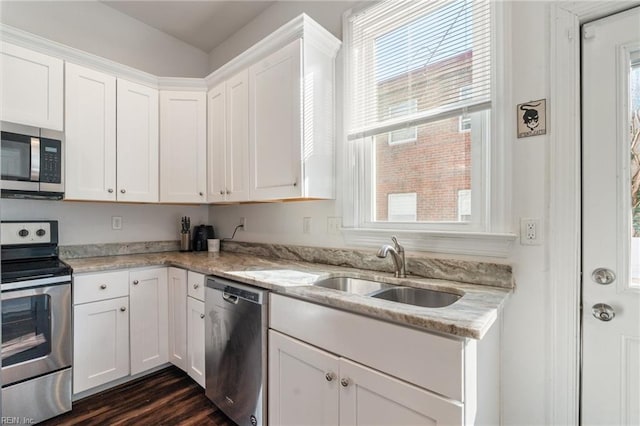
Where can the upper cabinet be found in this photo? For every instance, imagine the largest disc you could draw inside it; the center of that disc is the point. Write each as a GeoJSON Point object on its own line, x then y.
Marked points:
{"type": "Point", "coordinates": [90, 136]}
{"type": "Point", "coordinates": [137, 135]}
{"type": "Point", "coordinates": [183, 147]}
{"type": "Point", "coordinates": [32, 87]}
{"type": "Point", "coordinates": [111, 137]}
{"type": "Point", "coordinates": [229, 139]}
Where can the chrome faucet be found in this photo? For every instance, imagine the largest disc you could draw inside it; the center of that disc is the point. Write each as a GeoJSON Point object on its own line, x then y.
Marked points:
{"type": "Point", "coordinates": [397, 255]}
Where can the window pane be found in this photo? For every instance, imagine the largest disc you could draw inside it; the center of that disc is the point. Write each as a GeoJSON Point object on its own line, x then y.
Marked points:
{"type": "Point", "coordinates": [435, 169]}
{"type": "Point", "coordinates": [634, 103]}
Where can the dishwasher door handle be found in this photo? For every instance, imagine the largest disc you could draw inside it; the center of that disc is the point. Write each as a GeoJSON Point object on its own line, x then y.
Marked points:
{"type": "Point", "coordinates": [230, 298]}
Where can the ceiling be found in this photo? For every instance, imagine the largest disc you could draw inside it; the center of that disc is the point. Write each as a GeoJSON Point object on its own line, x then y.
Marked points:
{"type": "Point", "coordinates": [202, 24]}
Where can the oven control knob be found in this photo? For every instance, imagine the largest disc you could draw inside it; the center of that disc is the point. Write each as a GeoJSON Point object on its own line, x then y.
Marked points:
{"type": "Point", "coordinates": [23, 232]}
{"type": "Point", "coordinates": [40, 232]}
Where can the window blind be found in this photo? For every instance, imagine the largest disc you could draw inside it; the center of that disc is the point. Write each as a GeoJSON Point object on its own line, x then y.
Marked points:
{"type": "Point", "coordinates": [434, 53]}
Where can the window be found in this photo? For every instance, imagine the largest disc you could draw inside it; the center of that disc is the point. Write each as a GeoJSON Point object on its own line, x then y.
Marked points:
{"type": "Point", "coordinates": [420, 72]}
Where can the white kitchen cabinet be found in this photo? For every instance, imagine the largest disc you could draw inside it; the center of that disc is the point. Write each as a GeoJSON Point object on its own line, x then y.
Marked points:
{"type": "Point", "coordinates": [101, 342]}
{"type": "Point", "coordinates": [149, 328]}
{"type": "Point", "coordinates": [32, 88]}
{"type": "Point", "coordinates": [303, 383]}
{"type": "Point", "coordinates": [195, 340]}
{"type": "Point", "coordinates": [311, 386]}
{"type": "Point", "coordinates": [177, 283]}
{"type": "Point", "coordinates": [90, 135]}
{"type": "Point", "coordinates": [137, 136]}
{"type": "Point", "coordinates": [228, 143]}
{"type": "Point", "coordinates": [183, 147]}
{"type": "Point", "coordinates": [291, 121]}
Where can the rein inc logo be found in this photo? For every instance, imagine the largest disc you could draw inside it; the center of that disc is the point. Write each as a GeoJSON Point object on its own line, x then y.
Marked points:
{"type": "Point", "coordinates": [15, 420]}
{"type": "Point", "coordinates": [532, 118]}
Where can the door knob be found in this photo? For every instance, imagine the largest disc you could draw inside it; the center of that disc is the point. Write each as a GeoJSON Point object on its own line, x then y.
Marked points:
{"type": "Point", "coordinates": [135, 282]}
{"type": "Point", "coordinates": [200, 193]}
{"type": "Point", "coordinates": [330, 376]}
{"type": "Point", "coordinates": [195, 286]}
{"type": "Point", "coordinates": [103, 286]}
{"type": "Point", "coordinates": [123, 309]}
{"type": "Point", "coordinates": [201, 315]}
{"type": "Point", "coordinates": [344, 382]}
{"type": "Point", "coordinates": [122, 191]}
{"type": "Point", "coordinates": [110, 190]}
{"type": "Point", "coordinates": [603, 276]}
{"type": "Point", "coordinates": [603, 312]}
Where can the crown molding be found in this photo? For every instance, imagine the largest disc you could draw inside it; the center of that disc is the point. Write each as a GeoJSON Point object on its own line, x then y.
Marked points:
{"type": "Point", "coordinates": [182, 84]}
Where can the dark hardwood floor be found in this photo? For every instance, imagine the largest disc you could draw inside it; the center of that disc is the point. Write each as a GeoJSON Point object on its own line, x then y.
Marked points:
{"type": "Point", "coordinates": [167, 397]}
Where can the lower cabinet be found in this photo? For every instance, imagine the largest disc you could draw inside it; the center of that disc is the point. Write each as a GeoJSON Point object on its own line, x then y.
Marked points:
{"type": "Point", "coordinates": [101, 343]}
{"type": "Point", "coordinates": [310, 386]}
{"type": "Point", "coordinates": [195, 340]}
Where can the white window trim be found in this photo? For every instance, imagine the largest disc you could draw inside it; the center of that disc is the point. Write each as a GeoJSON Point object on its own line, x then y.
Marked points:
{"type": "Point", "coordinates": [496, 238]}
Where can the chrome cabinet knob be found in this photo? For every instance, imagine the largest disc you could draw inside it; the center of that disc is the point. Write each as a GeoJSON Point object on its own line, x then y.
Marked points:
{"type": "Point", "coordinates": [122, 308]}
{"type": "Point", "coordinates": [228, 192]}
{"type": "Point", "coordinates": [222, 192]}
{"type": "Point", "coordinates": [195, 286]}
{"type": "Point", "coordinates": [345, 382]}
{"type": "Point", "coordinates": [103, 286]}
{"type": "Point", "coordinates": [330, 376]}
{"type": "Point", "coordinates": [135, 282]}
{"type": "Point", "coordinates": [110, 190]}
{"type": "Point", "coordinates": [201, 315]}
{"type": "Point", "coordinates": [122, 191]}
{"type": "Point", "coordinates": [603, 312]}
{"type": "Point", "coordinates": [603, 276]}
{"type": "Point", "coordinates": [200, 193]}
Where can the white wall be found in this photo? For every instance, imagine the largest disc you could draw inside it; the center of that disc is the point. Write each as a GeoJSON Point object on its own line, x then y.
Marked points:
{"type": "Point", "coordinates": [326, 13]}
{"type": "Point", "coordinates": [96, 28]}
{"type": "Point", "coordinates": [523, 357]}
{"type": "Point", "coordinates": [90, 223]}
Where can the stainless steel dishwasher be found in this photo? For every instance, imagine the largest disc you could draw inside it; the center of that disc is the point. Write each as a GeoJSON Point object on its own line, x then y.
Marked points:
{"type": "Point", "coordinates": [236, 350]}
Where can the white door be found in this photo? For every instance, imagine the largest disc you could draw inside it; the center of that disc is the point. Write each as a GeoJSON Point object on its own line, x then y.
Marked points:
{"type": "Point", "coordinates": [137, 141]}
{"type": "Point", "coordinates": [178, 317]}
{"type": "Point", "coordinates": [183, 147]}
{"type": "Point", "coordinates": [149, 327]}
{"type": "Point", "coordinates": [275, 124]}
{"type": "Point", "coordinates": [195, 340]}
{"type": "Point", "coordinates": [100, 343]}
{"type": "Point", "coordinates": [237, 137]}
{"type": "Point", "coordinates": [368, 397]}
{"type": "Point", "coordinates": [216, 164]}
{"type": "Point", "coordinates": [90, 134]}
{"type": "Point", "coordinates": [611, 258]}
{"type": "Point", "coordinates": [30, 87]}
{"type": "Point", "coordinates": [303, 383]}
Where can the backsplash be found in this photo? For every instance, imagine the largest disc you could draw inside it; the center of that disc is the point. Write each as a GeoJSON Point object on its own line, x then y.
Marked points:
{"type": "Point", "coordinates": [115, 249]}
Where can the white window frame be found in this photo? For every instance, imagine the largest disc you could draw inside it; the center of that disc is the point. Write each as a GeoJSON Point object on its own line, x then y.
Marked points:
{"type": "Point", "coordinates": [491, 235]}
{"type": "Point", "coordinates": [411, 106]}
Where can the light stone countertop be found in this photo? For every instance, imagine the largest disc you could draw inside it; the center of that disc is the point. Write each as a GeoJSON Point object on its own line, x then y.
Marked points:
{"type": "Point", "coordinates": [470, 317]}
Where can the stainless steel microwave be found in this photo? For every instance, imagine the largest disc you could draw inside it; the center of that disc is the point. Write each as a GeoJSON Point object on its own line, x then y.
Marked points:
{"type": "Point", "coordinates": [31, 167]}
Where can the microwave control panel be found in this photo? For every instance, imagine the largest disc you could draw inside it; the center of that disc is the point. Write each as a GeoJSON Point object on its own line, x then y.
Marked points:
{"type": "Point", "coordinates": [50, 161]}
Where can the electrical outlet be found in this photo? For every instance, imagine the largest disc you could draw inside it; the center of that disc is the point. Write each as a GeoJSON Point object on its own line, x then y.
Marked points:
{"type": "Point", "coordinates": [243, 222]}
{"type": "Point", "coordinates": [333, 225]}
{"type": "Point", "coordinates": [306, 225]}
{"type": "Point", "coordinates": [530, 231]}
{"type": "Point", "coordinates": [116, 222]}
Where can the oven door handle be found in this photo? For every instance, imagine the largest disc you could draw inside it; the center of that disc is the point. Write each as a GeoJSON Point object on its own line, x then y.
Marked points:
{"type": "Point", "coordinates": [35, 282]}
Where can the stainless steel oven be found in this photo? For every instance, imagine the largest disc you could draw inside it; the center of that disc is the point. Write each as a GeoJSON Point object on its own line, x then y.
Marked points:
{"type": "Point", "coordinates": [31, 166]}
{"type": "Point", "coordinates": [36, 323]}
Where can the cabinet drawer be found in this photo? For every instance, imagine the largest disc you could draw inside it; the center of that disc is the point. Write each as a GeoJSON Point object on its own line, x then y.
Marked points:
{"type": "Point", "coordinates": [195, 285]}
{"type": "Point", "coordinates": [427, 360]}
{"type": "Point", "coordinates": [101, 286]}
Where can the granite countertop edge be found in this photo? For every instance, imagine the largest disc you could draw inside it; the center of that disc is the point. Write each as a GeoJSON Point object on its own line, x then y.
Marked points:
{"type": "Point", "coordinates": [470, 317]}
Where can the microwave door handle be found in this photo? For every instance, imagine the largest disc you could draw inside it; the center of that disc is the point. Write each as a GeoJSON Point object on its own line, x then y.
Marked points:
{"type": "Point", "coordinates": [35, 159]}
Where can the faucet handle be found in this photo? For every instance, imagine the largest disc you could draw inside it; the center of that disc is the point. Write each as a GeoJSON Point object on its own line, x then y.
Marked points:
{"type": "Point", "coordinates": [397, 246]}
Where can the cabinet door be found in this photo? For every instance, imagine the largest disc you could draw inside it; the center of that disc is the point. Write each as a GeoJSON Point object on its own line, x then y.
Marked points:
{"type": "Point", "coordinates": [183, 147]}
{"type": "Point", "coordinates": [217, 124]}
{"type": "Point", "coordinates": [178, 317]}
{"type": "Point", "coordinates": [137, 141]}
{"type": "Point", "coordinates": [303, 383]}
{"type": "Point", "coordinates": [149, 330]}
{"type": "Point", "coordinates": [371, 397]}
{"type": "Point", "coordinates": [195, 340]}
{"type": "Point", "coordinates": [196, 283]}
{"type": "Point", "coordinates": [275, 129]}
{"type": "Point", "coordinates": [31, 85]}
{"type": "Point", "coordinates": [90, 135]}
{"type": "Point", "coordinates": [100, 343]}
{"type": "Point", "coordinates": [237, 137]}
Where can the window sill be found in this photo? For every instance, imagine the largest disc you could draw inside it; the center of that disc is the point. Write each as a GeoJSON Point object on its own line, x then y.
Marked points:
{"type": "Point", "coordinates": [467, 243]}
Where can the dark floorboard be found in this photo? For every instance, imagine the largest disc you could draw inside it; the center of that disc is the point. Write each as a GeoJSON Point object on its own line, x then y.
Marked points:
{"type": "Point", "coordinates": [168, 397]}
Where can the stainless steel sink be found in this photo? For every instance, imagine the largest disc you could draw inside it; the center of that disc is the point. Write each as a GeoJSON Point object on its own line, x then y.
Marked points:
{"type": "Point", "coordinates": [352, 285]}
{"type": "Point", "coordinates": [417, 296]}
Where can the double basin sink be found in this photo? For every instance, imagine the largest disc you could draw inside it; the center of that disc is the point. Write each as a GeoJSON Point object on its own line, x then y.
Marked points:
{"type": "Point", "coordinates": [378, 290]}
